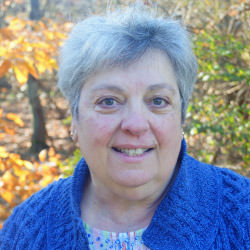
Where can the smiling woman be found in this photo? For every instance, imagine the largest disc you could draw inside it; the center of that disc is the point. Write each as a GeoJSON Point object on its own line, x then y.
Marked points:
{"type": "Point", "coordinates": [128, 77]}
{"type": "Point", "coordinates": [131, 119]}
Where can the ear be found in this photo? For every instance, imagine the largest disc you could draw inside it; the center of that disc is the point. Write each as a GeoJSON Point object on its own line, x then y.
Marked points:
{"type": "Point", "coordinates": [73, 133]}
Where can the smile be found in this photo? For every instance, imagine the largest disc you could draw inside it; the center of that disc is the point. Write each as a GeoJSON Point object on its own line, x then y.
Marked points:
{"type": "Point", "coordinates": [132, 152]}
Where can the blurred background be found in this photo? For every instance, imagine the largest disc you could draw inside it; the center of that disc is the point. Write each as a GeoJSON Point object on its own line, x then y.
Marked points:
{"type": "Point", "coordinates": [35, 143]}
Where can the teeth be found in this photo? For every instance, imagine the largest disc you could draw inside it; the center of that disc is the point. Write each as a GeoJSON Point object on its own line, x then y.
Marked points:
{"type": "Point", "coordinates": [133, 152]}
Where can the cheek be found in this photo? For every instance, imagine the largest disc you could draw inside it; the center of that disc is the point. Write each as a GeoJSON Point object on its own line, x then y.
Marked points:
{"type": "Point", "coordinates": [99, 129]}
{"type": "Point", "coordinates": [167, 130]}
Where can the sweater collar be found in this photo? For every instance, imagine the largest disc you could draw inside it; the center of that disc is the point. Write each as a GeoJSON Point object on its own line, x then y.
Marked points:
{"type": "Point", "coordinates": [187, 216]}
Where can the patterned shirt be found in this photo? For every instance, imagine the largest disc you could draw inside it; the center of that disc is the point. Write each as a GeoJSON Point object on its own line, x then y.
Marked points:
{"type": "Point", "coordinates": [100, 239]}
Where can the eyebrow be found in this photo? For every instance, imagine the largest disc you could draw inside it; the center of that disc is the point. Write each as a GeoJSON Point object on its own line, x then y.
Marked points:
{"type": "Point", "coordinates": [153, 87]}
{"type": "Point", "coordinates": [108, 87]}
{"type": "Point", "coordinates": [159, 86]}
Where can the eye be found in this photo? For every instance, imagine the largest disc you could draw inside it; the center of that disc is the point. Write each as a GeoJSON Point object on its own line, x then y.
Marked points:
{"type": "Point", "coordinates": [159, 102]}
{"type": "Point", "coordinates": [109, 101]}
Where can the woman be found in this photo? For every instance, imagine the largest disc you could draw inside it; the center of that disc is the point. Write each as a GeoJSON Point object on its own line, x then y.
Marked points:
{"type": "Point", "coordinates": [128, 78]}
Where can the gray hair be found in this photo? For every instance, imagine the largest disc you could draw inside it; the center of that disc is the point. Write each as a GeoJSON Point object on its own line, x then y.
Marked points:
{"type": "Point", "coordinates": [119, 39]}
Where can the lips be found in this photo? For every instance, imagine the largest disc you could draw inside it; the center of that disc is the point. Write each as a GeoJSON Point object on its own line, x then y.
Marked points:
{"type": "Point", "coordinates": [132, 151]}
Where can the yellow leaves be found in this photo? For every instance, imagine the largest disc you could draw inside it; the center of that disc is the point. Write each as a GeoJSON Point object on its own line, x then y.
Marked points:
{"type": "Point", "coordinates": [53, 64]}
{"type": "Point", "coordinates": [221, 101]}
{"type": "Point", "coordinates": [42, 60]}
{"type": "Point", "coordinates": [17, 24]}
{"type": "Point", "coordinates": [6, 125]}
{"type": "Point", "coordinates": [3, 51]}
{"type": "Point", "coordinates": [32, 70]}
{"type": "Point", "coordinates": [46, 180]}
{"type": "Point", "coordinates": [42, 155]}
{"type": "Point", "coordinates": [21, 72]}
{"type": "Point", "coordinates": [48, 155]}
{"type": "Point", "coordinates": [8, 179]}
{"type": "Point", "coordinates": [3, 153]}
{"type": "Point", "coordinates": [21, 178]}
{"type": "Point", "coordinates": [60, 35]}
{"type": "Point", "coordinates": [4, 68]}
{"type": "Point", "coordinates": [28, 165]}
{"type": "Point", "coordinates": [30, 47]}
{"type": "Point", "coordinates": [49, 35]}
{"type": "Point", "coordinates": [16, 119]}
{"type": "Point", "coordinates": [8, 196]}
{"type": "Point", "coordinates": [22, 69]}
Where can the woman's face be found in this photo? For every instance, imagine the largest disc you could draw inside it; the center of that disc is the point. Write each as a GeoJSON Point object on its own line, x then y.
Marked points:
{"type": "Point", "coordinates": [129, 127]}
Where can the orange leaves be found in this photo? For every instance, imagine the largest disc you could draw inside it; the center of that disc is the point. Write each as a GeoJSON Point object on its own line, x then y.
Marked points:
{"type": "Point", "coordinates": [233, 12]}
{"type": "Point", "coordinates": [16, 119]}
{"type": "Point", "coordinates": [30, 47]}
{"type": "Point", "coordinates": [8, 123]}
{"type": "Point", "coordinates": [4, 67]}
{"type": "Point", "coordinates": [32, 70]}
{"type": "Point", "coordinates": [19, 178]}
{"type": "Point", "coordinates": [8, 196]}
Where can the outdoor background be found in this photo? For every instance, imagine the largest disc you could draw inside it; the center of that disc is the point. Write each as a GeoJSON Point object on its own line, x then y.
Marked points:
{"type": "Point", "coordinates": [35, 143]}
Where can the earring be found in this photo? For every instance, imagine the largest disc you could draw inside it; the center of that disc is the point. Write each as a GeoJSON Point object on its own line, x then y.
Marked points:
{"type": "Point", "coordinates": [74, 136]}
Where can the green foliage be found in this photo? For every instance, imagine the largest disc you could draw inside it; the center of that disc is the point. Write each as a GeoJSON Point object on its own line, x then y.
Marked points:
{"type": "Point", "coordinates": [67, 168]}
{"type": "Point", "coordinates": [218, 116]}
{"type": "Point", "coordinates": [67, 120]}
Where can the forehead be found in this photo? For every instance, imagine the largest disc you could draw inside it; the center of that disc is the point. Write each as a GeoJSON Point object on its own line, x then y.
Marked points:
{"type": "Point", "coordinates": [153, 71]}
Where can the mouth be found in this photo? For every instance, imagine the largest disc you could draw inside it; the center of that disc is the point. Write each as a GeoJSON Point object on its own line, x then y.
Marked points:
{"type": "Point", "coordinates": [132, 152]}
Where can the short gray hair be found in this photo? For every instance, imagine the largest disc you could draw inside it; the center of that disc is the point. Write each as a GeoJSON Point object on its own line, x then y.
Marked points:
{"type": "Point", "coordinates": [119, 39]}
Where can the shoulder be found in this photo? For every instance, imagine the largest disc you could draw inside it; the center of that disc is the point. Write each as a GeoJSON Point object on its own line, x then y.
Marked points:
{"type": "Point", "coordinates": [232, 187]}
{"type": "Point", "coordinates": [226, 178]}
{"type": "Point", "coordinates": [28, 220]}
{"type": "Point", "coordinates": [235, 203]}
{"type": "Point", "coordinates": [233, 215]}
{"type": "Point", "coordinates": [234, 219]}
{"type": "Point", "coordinates": [234, 192]}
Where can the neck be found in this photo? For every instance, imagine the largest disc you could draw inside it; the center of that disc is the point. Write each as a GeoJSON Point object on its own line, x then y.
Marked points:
{"type": "Point", "coordinates": [112, 212]}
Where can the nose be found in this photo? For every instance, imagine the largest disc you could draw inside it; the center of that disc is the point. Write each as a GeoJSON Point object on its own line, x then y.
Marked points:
{"type": "Point", "coordinates": [135, 122]}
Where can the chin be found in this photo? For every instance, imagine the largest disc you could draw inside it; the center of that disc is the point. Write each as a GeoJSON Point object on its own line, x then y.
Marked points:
{"type": "Point", "coordinates": [133, 180]}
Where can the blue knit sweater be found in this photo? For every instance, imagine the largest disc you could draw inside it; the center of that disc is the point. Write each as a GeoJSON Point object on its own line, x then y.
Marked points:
{"type": "Point", "coordinates": [205, 208]}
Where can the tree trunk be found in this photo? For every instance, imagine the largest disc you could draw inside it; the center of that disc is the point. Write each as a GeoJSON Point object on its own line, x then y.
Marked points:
{"type": "Point", "coordinates": [39, 130]}
{"type": "Point", "coordinates": [35, 13]}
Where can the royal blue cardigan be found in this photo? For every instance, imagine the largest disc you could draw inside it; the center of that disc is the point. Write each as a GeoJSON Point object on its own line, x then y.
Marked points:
{"type": "Point", "coordinates": [205, 208]}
